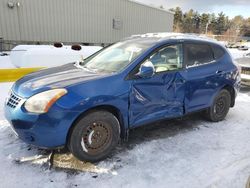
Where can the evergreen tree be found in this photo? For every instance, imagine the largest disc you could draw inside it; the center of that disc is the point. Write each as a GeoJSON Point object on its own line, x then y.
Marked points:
{"type": "Point", "coordinates": [204, 22]}
{"type": "Point", "coordinates": [213, 23]}
{"type": "Point", "coordinates": [221, 26]}
{"type": "Point", "coordinates": [188, 22]}
{"type": "Point", "coordinates": [193, 22]}
{"type": "Point", "coordinates": [178, 19]}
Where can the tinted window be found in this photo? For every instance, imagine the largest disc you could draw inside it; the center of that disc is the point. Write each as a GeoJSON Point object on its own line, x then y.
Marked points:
{"type": "Point", "coordinates": [218, 52]}
{"type": "Point", "coordinates": [198, 54]}
{"type": "Point", "coordinates": [167, 58]}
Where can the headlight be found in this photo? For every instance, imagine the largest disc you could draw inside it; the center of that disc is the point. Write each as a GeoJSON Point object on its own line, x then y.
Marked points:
{"type": "Point", "coordinates": [41, 102]}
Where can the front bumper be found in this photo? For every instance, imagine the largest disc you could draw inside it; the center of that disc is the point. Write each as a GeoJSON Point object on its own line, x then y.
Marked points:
{"type": "Point", "coordinates": [43, 130]}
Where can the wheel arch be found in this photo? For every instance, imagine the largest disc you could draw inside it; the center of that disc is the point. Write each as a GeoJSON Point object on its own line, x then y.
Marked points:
{"type": "Point", "coordinates": [232, 92]}
{"type": "Point", "coordinates": [112, 109]}
{"type": "Point", "coordinates": [230, 89]}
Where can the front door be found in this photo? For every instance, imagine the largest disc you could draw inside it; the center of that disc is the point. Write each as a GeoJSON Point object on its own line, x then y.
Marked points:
{"type": "Point", "coordinates": [162, 95]}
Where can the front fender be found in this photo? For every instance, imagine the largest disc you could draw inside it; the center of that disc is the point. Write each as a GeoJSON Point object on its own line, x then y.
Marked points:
{"type": "Point", "coordinates": [80, 107]}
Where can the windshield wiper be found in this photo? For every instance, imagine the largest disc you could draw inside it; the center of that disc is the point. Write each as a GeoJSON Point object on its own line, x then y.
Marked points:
{"type": "Point", "coordinates": [81, 62]}
{"type": "Point", "coordinates": [79, 66]}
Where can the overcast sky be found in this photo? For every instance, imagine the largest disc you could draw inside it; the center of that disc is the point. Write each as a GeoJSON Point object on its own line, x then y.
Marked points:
{"type": "Point", "coordinates": [229, 7]}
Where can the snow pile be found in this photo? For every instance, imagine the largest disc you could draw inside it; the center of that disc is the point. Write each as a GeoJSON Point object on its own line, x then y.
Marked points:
{"type": "Point", "coordinates": [5, 62]}
{"type": "Point", "coordinates": [178, 153]}
{"type": "Point", "coordinates": [238, 53]}
{"type": "Point", "coordinates": [48, 56]}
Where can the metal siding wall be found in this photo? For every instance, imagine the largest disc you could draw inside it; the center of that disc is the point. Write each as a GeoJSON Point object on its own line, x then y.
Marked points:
{"type": "Point", "coordinates": [80, 20]}
{"type": "Point", "coordinates": [9, 27]}
{"type": "Point", "coordinates": [140, 19]}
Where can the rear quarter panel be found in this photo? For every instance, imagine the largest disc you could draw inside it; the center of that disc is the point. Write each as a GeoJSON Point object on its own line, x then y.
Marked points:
{"type": "Point", "coordinates": [205, 81]}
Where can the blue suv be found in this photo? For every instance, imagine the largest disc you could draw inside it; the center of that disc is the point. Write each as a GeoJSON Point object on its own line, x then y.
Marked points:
{"type": "Point", "coordinates": [89, 106]}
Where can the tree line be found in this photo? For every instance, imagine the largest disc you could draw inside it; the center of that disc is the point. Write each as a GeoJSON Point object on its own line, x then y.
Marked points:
{"type": "Point", "coordinates": [211, 24]}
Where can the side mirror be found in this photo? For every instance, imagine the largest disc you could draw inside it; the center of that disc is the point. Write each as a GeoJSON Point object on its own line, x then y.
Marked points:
{"type": "Point", "coordinates": [147, 70]}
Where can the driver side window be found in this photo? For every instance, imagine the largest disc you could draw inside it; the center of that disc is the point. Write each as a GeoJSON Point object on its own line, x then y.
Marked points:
{"type": "Point", "coordinates": [167, 58]}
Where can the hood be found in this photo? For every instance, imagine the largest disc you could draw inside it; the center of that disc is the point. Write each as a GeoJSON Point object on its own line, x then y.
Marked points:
{"type": "Point", "coordinates": [57, 77]}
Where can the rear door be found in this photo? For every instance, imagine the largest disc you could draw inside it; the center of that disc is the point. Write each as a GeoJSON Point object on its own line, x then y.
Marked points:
{"type": "Point", "coordinates": [202, 75]}
{"type": "Point", "coordinates": [162, 95]}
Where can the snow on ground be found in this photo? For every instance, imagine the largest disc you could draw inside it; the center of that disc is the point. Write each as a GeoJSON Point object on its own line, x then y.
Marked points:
{"type": "Point", "coordinates": [177, 153]}
{"type": "Point", "coordinates": [238, 53]}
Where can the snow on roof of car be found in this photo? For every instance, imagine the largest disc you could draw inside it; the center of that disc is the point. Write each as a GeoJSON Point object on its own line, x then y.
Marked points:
{"type": "Point", "coordinates": [166, 36]}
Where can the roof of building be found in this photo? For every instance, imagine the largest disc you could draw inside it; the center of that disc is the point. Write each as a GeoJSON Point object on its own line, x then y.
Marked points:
{"type": "Point", "coordinates": [151, 6]}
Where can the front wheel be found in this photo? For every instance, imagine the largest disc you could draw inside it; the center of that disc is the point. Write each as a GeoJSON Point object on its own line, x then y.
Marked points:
{"type": "Point", "coordinates": [94, 136]}
{"type": "Point", "coordinates": [220, 107]}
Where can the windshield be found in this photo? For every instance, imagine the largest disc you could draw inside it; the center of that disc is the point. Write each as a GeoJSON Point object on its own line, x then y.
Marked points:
{"type": "Point", "coordinates": [115, 57]}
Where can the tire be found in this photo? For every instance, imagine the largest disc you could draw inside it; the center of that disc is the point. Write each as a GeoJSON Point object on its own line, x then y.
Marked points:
{"type": "Point", "coordinates": [220, 107]}
{"type": "Point", "coordinates": [94, 136]}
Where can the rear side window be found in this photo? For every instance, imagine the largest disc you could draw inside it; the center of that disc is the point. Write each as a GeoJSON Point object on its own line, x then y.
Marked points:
{"type": "Point", "coordinates": [218, 52]}
{"type": "Point", "coordinates": [198, 54]}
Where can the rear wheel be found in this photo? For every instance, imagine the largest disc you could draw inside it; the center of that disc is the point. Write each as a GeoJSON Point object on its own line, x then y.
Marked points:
{"type": "Point", "coordinates": [94, 136]}
{"type": "Point", "coordinates": [220, 107]}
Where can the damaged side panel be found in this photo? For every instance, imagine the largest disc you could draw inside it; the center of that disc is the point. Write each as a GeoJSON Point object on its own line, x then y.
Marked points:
{"type": "Point", "coordinates": [159, 97]}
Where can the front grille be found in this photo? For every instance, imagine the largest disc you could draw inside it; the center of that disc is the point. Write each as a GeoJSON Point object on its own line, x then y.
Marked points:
{"type": "Point", "coordinates": [245, 70]}
{"type": "Point", "coordinates": [13, 100]}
